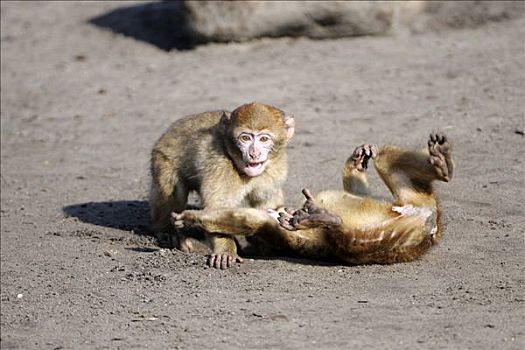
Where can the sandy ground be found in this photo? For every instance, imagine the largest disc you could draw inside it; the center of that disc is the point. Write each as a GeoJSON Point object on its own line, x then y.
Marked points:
{"type": "Point", "coordinates": [82, 106]}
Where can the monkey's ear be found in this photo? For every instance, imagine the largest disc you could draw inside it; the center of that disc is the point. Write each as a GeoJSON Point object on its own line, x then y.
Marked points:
{"type": "Point", "coordinates": [289, 126]}
{"type": "Point", "coordinates": [226, 120]}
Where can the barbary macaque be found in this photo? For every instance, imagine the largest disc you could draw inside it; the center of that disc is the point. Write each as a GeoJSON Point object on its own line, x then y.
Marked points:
{"type": "Point", "coordinates": [232, 160]}
{"type": "Point", "coordinates": [350, 226]}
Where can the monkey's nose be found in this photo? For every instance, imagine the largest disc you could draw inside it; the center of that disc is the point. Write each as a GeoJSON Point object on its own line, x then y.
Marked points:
{"type": "Point", "coordinates": [254, 154]}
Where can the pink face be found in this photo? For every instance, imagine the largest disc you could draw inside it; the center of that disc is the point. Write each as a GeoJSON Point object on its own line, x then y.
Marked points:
{"type": "Point", "coordinates": [255, 148]}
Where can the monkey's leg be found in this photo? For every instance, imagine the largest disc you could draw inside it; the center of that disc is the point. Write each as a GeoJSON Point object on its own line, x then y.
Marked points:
{"type": "Point", "coordinates": [409, 174]}
{"type": "Point", "coordinates": [355, 180]}
{"type": "Point", "coordinates": [162, 204]}
{"type": "Point", "coordinates": [167, 194]}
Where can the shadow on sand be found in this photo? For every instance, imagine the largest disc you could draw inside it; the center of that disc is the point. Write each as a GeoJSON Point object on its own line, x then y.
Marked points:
{"type": "Point", "coordinates": [129, 215]}
{"type": "Point", "coordinates": [161, 24]}
{"type": "Point", "coordinates": [134, 215]}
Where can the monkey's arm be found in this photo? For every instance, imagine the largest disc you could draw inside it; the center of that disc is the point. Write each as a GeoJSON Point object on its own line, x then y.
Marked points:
{"type": "Point", "coordinates": [250, 221]}
{"type": "Point", "coordinates": [355, 180]}
{"type": "Point", "coordinates": [309, 242]}
{"type": "Point", "coordinates": [234, 221]}
{"type": "Point", "coordinates": [215, 194]}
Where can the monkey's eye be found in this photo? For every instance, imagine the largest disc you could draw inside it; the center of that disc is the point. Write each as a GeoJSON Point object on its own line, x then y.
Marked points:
{"type": "Point", "coordinates": [245, 138]}
{"type": "Point", "coordinates": [264, 139]}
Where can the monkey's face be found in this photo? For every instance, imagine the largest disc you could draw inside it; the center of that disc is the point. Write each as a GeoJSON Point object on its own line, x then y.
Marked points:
{"type": "Point", "coordinates": [256, 134]}
{"type": "Point", "coordinates": [255, 148]}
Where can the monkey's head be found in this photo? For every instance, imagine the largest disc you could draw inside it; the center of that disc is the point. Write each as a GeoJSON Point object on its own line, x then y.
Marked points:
{"type": "Point", "coordinates": [255, 135]}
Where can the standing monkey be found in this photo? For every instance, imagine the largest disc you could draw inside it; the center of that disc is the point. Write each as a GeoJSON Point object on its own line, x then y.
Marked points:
{"type": "Point", "coordinates": [232, 160]}
{"type": "Point", "coordinates": [350, 225]}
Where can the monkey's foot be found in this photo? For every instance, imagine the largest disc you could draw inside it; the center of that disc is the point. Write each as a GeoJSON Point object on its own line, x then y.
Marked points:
{"type": "Point", "coordinates": [362, 155]}
{"type": "Point", "coordinates": [223, 260]}
{"type": "Point", "coordinates": [440, 150]}
{"type": "Point", "coordinates": [185, 244]}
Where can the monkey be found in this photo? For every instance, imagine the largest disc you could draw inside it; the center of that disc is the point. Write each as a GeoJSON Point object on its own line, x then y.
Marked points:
{"type": "Point", "coordinates": [351, 226]}
{"type": "Point", "coordinates": [231, 159]}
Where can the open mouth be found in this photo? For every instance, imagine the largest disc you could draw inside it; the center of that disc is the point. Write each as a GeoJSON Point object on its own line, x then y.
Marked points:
{"type": "Point", "coordinates": [254, 168]}
{"type": "Point", "coordinates": [255, 165]}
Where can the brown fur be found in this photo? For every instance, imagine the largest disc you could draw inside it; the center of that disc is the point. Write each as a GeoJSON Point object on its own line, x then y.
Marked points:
{"type": "Point", "coordinates": [351, 226]}
{"type": "Point", "coordinates": [197, 153]}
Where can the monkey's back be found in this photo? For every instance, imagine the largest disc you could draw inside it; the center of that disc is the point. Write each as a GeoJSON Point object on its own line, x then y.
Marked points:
{"type": "Point", "coordinates": [187, 145]}
{"type": "Point", "coordinates": [186, 132]}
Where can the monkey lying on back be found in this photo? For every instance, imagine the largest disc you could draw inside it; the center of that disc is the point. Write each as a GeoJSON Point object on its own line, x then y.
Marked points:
{"type": "Point", "coordinates": [232, 160]}
{"type": "Point", "coordinates": [351, 226]}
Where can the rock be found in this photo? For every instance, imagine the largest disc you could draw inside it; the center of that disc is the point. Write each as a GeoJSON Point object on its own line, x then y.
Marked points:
{"type": "Point", "coordinates": [184, 24]}
{"type": "Point", "coordinates": [225, 21]}
{"type": "Point", "coordinates": [438, 15]}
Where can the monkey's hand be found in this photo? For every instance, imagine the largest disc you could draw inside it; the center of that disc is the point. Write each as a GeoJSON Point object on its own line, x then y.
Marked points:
{"type": "Point", "coordinates": [285, 217]}
{"type": "Point", "coordinates": [362, 155]}
{"type": "Point", "coordinates": [224, 251]}
{"type": "Point", "coordinates": [311, 215]}
{"type": "Point", "coordinates": [188, 218]}
{"type": "Point", "coordinates": [223, 260]}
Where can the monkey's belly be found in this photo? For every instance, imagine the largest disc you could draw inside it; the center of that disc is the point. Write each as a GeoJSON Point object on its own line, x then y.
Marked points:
{"type": "Point", "coordinates": [355, 211]}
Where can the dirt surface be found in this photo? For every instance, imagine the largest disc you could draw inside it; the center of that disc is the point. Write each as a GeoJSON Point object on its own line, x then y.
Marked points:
{"type": "Point", "coordinates": [81, 108]}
